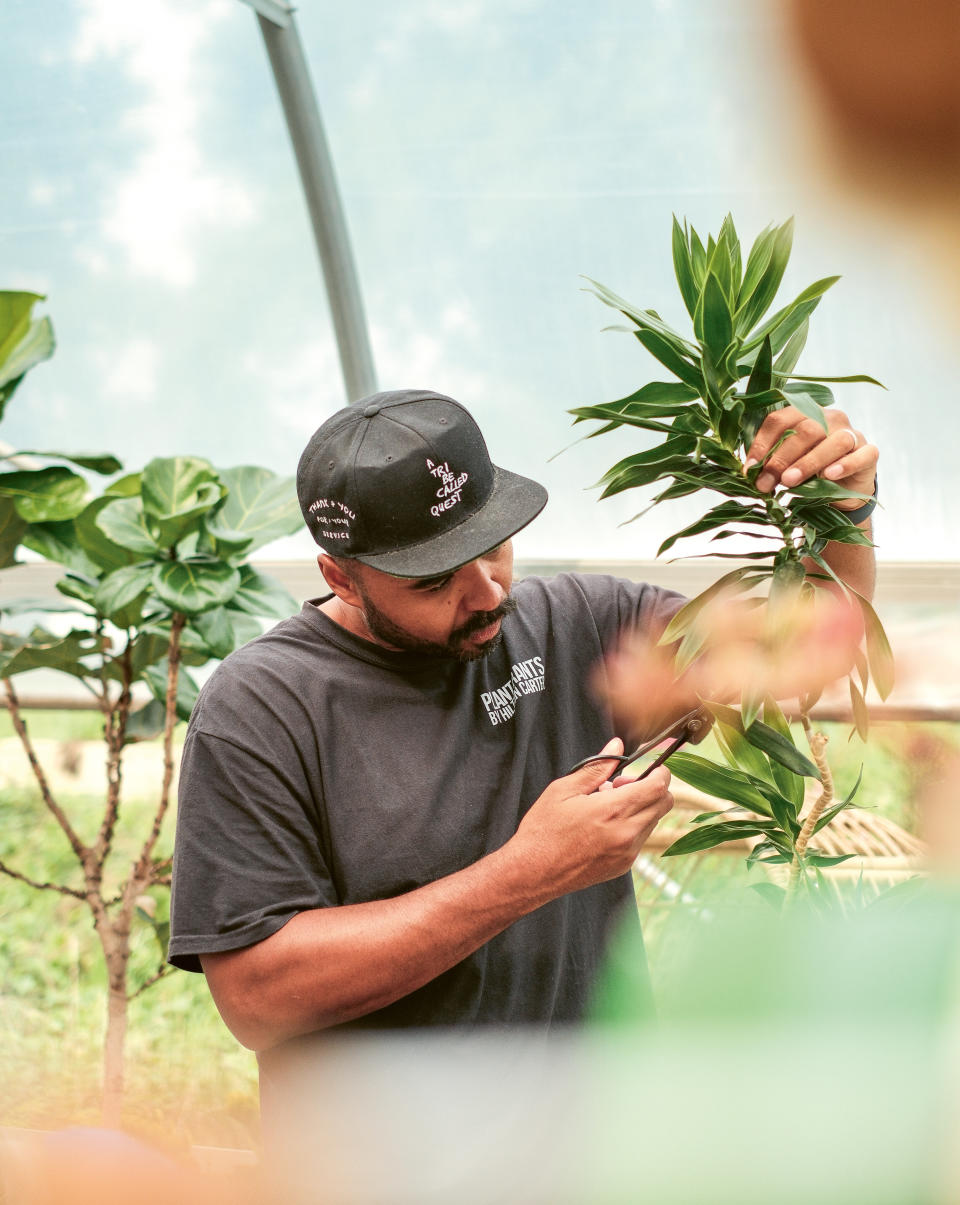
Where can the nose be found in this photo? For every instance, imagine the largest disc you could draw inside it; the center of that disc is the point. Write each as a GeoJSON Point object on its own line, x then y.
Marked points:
{"type": "Point", "coordinates": [482, 590]}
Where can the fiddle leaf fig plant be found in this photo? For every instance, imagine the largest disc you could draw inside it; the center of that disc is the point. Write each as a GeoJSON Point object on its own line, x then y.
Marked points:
{"type": "Point", "coordinates": [156, 581]}
{"type": "Point", "coordinates": [737, 365]}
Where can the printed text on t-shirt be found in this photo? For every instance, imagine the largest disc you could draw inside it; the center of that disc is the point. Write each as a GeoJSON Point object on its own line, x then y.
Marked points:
{"type": "Point", "coordinates": [526, 678]}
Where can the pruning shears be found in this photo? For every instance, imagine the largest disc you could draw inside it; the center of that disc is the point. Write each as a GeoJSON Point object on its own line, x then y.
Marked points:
{"type": "Point", "coordinates": [689, 727]}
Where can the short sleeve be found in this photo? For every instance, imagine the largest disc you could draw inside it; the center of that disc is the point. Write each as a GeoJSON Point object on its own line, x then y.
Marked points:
{"type": "Point", "coordinates": [249, 851]}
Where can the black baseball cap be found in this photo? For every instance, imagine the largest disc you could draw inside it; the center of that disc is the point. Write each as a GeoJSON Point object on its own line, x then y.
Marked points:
{"type": "Point", "coordinates": [402, 481]}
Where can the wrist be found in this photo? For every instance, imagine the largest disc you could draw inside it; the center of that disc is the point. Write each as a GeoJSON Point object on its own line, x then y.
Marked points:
{"type": "Point", "coordinates": [859, 512]}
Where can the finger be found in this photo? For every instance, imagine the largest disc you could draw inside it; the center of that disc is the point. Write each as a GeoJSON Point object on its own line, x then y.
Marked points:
{"type": "Point", "coordinates": [837, 446]}
{"type": "Point", "coordinates": [634, 797]}
{"type": "Point", "coordinates": [589, 777]}
{"type": "Point", "coordinates": [805, 443]}
{"type": "Point", "coordinates": [864, 461]}
{"type": "Point", "coordinates": [770, 431]}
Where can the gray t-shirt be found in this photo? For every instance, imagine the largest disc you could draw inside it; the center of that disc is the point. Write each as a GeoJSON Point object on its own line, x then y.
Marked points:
{"type": "Point", "coordinates": [320, 769]}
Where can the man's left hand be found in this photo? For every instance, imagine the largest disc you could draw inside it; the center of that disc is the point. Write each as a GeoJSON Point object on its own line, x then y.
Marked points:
{"type": "Point", "coordinates": [840, 454]}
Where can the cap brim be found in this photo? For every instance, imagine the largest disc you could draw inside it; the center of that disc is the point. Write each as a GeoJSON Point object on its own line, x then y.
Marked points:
{"type": "Point", "coordinates": [514, 502]}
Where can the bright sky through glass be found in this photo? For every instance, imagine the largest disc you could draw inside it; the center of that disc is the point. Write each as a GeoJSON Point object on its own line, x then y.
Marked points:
{"type": "Point", "coordinates": [489, 153]}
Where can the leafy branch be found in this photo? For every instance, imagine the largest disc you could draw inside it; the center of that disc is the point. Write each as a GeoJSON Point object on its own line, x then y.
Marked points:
{"type": "Point", "coordinates": [739, 366]}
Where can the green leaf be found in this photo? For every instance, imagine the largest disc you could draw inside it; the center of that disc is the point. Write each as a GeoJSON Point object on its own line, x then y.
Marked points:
{"type": "Point", "coordinates": [263, 596]}
{"type": "Point", "coordinates": [58, 542]}
{"type": "Point", "coordinates": [756, 303]}
{"type": "Point", "coordinates": [97, 462]}
{"type": "Point", "coordinates": [738, 751]}
{"type": "Point", "coordinates": [617, 418]}
{"type": "Point", "coordinates": [794, 376]}
{"type": "Point", "coordinates": [216, 630]}
{"type": "Point", "coordinates": [698, 258]}
{"type": "Point", "coordinates": [45, 495]}
{"type": "Point", "coordinates": [146, 723]}
{"type": "Point", "coordinates": [785, 321]}
{"type": "Point", "coordinates": [643, 474]}
{"type": "Point", "coordinates": [826, 859]}
{"type": "Point", "coordinates": [122, 593]}
{"type": "Point", "coordinates": [718, 781]}
{"type": "Point", "coordinates": [670, 448]}
{"type": "Point", "coordinates": [757, 261]}
{"type": "Point", "coordinates": [820, 488]}
{"type": "Point", "coordinates": [177, 491]}
{"type": "Point", "coordinates": [155, 677]}
{"type": "Point", "coordinates": [761, 379]}
{"type": "Point", "coordinates": [683, 268]}
{"type": "Point", "coordinates": [12, 528]}
{"type": "Point", "coordinates": [45, 650]}
{"type": "Point", "coordinates": [879, 653]}
{"type": "Point", "coordinates": [750, 705]}
{"type": "Point", "coordinates": [787, 359]}
{"type": "Point", "coordinates": [23, 344]}
{"type": "Point", "coordinates": [678, 364]}
{"type": "Point", "coordinates": [716, 323]}
{"type": "Point", "coordinates": [773, 894]}
{"type": "Point", "coordinates": [816, 392]}
{"type": "Point", "coordinates": [734, 582]}
{"type": "Point", "coordinates": [718, 516]}
{"type": "Point", "coordinates": [706, 836]}
{"type": "Point", "coordinates": [259, 504]}
{"type": "Point", "coordinates": [15, 310]}
{"type": "Point", "coordinates": [195, 586]}
{"type": "Point", "coordinates": [79, 586]}
{"type": "Point", "coordinates": [124, 523]}
{"type": "Point", "coordinates": [645, 319]}
{"type": "Point", "coordinates": [789, 784]}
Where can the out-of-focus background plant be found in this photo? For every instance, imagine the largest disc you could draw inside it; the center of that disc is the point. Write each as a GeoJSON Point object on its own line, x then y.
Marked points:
{"type": "Point", "coordinates": [156, 580]}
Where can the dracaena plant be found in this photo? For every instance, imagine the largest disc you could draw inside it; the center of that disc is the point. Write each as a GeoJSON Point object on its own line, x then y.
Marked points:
{"type": "Point", "coordinates": [156, 579]}
{"type": "Point", "coordinates": [739, 364]}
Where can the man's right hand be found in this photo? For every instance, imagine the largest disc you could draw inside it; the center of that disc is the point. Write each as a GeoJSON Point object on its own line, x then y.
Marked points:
{"type": "Point", "coordinates": [587, 828]}
{"type": "Point", "coordinates": [330, 965]}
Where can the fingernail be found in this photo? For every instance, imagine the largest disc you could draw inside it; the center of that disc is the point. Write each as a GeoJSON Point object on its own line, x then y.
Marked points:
{"type": "Point", "coordinates": [749, 463]}
{"type": "Point", "coordinates": [791, 476]}
{"type": "Point", "coordinates": [833, 471]}
{"type": "Point", "coordinates": [765, 482]}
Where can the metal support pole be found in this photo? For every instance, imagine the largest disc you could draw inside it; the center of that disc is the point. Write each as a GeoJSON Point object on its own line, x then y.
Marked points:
{"type": "Point", "coordinates": [302, 113]}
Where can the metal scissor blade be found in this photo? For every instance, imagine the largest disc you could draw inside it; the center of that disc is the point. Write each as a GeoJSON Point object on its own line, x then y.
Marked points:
{"type": "Point", "coordinates": [682, 730]}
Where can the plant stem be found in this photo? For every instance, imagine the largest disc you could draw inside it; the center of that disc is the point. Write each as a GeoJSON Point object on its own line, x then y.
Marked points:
{"type": "Point", "coordinates": [115, 734]}
{"type": "Point", "coordinates": [13, 706]}
{"type": "Point", "coordinates": [141, 875]}
{"type": "Point", "coordinates": [818, 743]}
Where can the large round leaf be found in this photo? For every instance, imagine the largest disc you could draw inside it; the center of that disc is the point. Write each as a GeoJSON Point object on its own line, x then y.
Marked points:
{"type": "Point", "coordinates": [122, 593]}
{"type": "Point", "coordinates": [12, 528]}
{"type": "Point", "coordinates": [123, 522]}
{"type": "Point", "coordinates": [259, 504]}
{"type": "Point", "coordinates": [195, 586]}
{"type": "Point", "coordinates": [44, 495]}
{"type": "Point", "coordinates": [262, 595]}
{"type": "Point", "coordinates": [177, 491]}
{"type": "Point", "coordinates": [60, 543]}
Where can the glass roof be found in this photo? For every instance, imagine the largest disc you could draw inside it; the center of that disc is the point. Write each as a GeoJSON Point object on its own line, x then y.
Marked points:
{"type": "Point", "coordinates": [489, 154]}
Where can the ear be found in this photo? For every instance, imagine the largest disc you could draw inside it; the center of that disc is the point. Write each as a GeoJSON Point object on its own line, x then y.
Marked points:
{"type": "Point", "coordinates": [339, 581]}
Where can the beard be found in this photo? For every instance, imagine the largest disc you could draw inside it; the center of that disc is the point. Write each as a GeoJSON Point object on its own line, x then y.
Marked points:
{"type": "Point", "coordinates": [454, 648]}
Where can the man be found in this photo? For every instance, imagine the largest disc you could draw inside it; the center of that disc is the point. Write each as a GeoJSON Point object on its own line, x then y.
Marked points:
{"type": "Point", "coordinates": [376, 825]}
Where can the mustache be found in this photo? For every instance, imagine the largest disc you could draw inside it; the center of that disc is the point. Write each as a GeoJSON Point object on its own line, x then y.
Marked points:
{"type": "Point", "coordinates": [483, 619]}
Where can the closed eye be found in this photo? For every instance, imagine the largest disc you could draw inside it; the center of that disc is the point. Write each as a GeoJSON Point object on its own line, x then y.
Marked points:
{"type": "Point", "coordinates": [430, 585]}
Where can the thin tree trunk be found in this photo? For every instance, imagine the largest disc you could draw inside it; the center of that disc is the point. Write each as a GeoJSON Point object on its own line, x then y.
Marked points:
{"type": "Point", "coordinates": [113, 1048]}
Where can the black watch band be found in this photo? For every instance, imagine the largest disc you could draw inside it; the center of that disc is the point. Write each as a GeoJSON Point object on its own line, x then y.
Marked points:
{"type": "Point", "coordinates": [864, 512]}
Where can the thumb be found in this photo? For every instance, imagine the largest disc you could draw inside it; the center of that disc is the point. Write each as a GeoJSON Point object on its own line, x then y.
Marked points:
{"type": "Point", "coordinates": [588, 778]}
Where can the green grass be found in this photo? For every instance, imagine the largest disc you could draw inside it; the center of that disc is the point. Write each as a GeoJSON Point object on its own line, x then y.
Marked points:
{"type": "Point", "coordinates": [188, 1081]}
